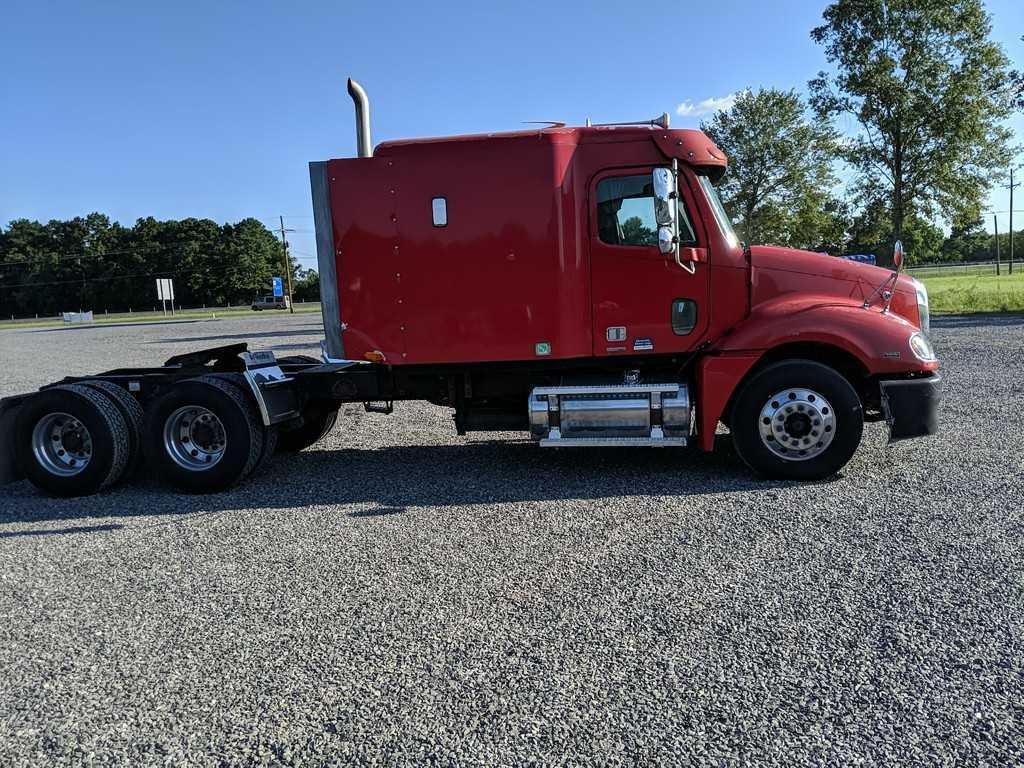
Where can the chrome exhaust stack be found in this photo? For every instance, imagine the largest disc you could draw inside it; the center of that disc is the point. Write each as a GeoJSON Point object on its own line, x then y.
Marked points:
{"type": "Point", "coordinates": [364, 146]}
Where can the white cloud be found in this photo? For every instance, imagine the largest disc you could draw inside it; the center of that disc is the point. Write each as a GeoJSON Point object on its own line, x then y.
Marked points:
{"type": "Point", "coordinates": [706, 107]}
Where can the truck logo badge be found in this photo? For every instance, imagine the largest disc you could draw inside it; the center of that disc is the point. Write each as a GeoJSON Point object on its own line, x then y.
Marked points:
{"type": "Point", "coordinates": [643, 345]}
{"type": "Point", "coordinates": [615, 333]}
{"type": "Point", "coordinates": [542, 348]}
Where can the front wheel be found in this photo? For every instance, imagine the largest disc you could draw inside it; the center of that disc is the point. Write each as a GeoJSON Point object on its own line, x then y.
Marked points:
{"type": "Point", "coordinates": [797, 420]}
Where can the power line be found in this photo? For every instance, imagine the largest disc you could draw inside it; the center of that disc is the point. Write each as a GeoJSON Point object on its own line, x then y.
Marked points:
{"type": "Point", "coordinates": [104, 278]}
{"type": "Point", "coordinates": [64, 256]}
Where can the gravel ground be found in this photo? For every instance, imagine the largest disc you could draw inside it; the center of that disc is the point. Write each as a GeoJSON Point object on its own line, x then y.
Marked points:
{"type": "Point", "coordinates": [401, 595]}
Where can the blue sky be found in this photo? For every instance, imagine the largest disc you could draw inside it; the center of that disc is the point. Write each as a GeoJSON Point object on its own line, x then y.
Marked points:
{"type": "Point", "coordinates": [213, 109]}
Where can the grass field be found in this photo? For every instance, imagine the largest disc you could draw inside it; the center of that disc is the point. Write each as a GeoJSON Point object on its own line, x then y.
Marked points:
{"type": "Point", "coordinates": [956, 293]}
{"type": "Point", "coordinates": [149, 317]}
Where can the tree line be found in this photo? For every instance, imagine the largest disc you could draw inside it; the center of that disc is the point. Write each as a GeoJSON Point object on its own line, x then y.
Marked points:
{"type": "Point", "coordinates": [925, 93]}
{"type": "Point", "coordinates": [92, 263]}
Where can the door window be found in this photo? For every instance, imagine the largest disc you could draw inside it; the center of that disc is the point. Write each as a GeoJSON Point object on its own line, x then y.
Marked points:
{"type": "Point", "coordinates": [625, 212]}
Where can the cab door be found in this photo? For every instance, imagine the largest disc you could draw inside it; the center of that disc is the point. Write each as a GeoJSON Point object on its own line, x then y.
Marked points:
{"type": "Point", "coordinates": [644, 301]}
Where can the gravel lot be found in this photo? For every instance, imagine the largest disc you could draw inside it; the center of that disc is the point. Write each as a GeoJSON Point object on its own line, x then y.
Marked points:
{"type": "Point", "coordinates": [399, 594]}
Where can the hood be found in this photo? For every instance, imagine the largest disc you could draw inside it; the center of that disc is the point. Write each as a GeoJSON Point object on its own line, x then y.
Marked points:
{"type": "Point", "coordinates": [777, 271]}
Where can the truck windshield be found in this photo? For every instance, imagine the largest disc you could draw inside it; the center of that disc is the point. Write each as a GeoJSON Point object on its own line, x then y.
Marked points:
{"type": "Point", "coordinates": [720, 215]}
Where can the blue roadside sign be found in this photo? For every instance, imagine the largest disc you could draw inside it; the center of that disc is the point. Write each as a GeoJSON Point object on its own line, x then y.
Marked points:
{"type": "Point", "coordinates": [278, 287]}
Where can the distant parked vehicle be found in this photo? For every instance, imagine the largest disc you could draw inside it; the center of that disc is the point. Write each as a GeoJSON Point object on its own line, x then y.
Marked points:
{"type": "Point", "coordinates": [269, 302]}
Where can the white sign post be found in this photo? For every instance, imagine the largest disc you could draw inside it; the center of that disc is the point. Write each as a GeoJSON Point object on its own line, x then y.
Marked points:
{"type": "Point", "coordinates": [165, 292]}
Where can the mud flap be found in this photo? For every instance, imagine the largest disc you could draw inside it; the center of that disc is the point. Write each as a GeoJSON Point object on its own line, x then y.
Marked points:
{"type": "Point", "coordinates": [271, 387]}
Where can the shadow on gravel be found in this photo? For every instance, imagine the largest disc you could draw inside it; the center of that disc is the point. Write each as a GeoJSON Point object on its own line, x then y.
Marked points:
{"type": "Point", "coordinates": [392, 480]}
{"type": "Point", "coordinates": [302, 331]}
{"type": "Point", "coordinates": [378, 512]}
{"type": "Point", "coordinates": [977, 321]}
{"type": "Point", "coordinates": [52, 531]}
{"type": "Point", "coordinates": [100, 326]}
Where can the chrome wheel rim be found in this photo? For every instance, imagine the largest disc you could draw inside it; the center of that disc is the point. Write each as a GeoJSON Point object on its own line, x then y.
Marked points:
{"type": "Point", "coordinates": [62, 444]}
{"type": "Point", "coordinates": [797, 424]}
{"type": "Point", "coordinates": [194, 438]}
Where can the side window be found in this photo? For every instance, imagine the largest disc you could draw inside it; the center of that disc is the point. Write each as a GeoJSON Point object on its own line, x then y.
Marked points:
{"type": "Point", "coordinates": [625, 212]}
{"type": "Point", "coordinates": [684, 316]}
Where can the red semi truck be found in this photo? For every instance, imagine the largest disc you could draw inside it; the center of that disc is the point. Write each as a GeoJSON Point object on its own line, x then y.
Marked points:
{"type": "Point", "coordinates": [582, 285]}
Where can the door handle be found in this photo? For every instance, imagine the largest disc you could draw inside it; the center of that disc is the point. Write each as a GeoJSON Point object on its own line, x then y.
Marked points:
{"type": "Point", "coordinates": [693, 255]}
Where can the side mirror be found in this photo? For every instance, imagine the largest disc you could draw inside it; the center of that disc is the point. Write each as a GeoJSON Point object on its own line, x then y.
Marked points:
{"type": "Point", "coordinates": [897, 256]}
{"type": "Point", "coordinates": [663, 182]}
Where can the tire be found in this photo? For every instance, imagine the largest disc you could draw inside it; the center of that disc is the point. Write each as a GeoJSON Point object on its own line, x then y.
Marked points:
{"type": "Point", "coordinates": [133, 415]}
{"type": "Point", "coordinates": [270, 434]}
{"type": "Point", "coordinates": [810, 415]}
{"type": "Point", "coordinates": [227, 451]}
{"type": "Point", "coordinates": [96, 428]}
{"type": "Point", "coordinates": [318, 420]}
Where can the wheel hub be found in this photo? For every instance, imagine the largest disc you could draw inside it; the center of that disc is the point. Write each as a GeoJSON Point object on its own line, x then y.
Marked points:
{"type": "Point", "coordinates": [194, 438]}
{"type": "Point", "coordinates": [62, 444]}
{"type": "Point", "coordinates": [797, 424]}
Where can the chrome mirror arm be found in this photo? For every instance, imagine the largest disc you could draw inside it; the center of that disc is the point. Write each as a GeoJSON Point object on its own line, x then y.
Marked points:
{"type": "Point", "coordinates": [692, 266]}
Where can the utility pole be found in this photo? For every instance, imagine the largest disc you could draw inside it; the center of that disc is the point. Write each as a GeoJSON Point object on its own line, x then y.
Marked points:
{"type": "Point", "coordinates": [288, 265]}
{"type": "Point", "coordinates": [995, 226]}
{"type": "Point", "coordinates": [1012, 185]}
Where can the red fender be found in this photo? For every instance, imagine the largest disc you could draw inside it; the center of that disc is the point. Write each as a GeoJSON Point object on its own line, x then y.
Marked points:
{"type": "Point", "coordinates": [881, 342]}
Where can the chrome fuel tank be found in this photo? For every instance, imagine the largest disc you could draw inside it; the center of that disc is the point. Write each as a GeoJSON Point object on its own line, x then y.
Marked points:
{"type": "Point", "coordinates": [627, 414]}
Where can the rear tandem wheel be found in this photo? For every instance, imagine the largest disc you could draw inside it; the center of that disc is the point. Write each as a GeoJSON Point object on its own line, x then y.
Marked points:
{"type": "Point", "coordinates": [71, 440]}
{"type": "Point", "coordinates": [205, 435]}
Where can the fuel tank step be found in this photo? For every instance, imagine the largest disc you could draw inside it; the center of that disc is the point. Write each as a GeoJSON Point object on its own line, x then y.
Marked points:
{"type": "Point", "coordinates": [610, 415]}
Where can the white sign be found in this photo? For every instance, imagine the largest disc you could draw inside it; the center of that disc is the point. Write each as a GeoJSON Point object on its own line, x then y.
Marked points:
{"type": "Point", "coordinates": [165, 289]}
{"type": "Point", "coordinates": [78, 317]}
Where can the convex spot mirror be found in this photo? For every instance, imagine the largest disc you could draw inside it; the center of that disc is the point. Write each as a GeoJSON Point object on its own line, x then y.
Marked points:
{"type": "Point", "coordinates": [897, 255]}
{"type": "Point", "coordinates": [663, 182]}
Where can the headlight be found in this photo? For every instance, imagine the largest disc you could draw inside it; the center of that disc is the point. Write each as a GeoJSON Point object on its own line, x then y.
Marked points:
{"type": "Point", "coordinates": [921, 347]}
{"type": "Point", "coordinates": [922, 306]}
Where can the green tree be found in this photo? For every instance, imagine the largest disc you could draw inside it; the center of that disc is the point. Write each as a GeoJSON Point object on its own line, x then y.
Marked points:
{"type": "Point", "coordinates": [307, 285]}
{"type": "Point", "coordinates": [92, 263]}
{"type": "Point", "coordinates": [780, 177]}
{"type": "Point", "coordinates": [870, 228]}
{"type": "Point", "coordinates": [929, 91]}
{"type": "Point", "coordinates": [635, 233]}
{"type": "Point", "coordinates": [969, 242]}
